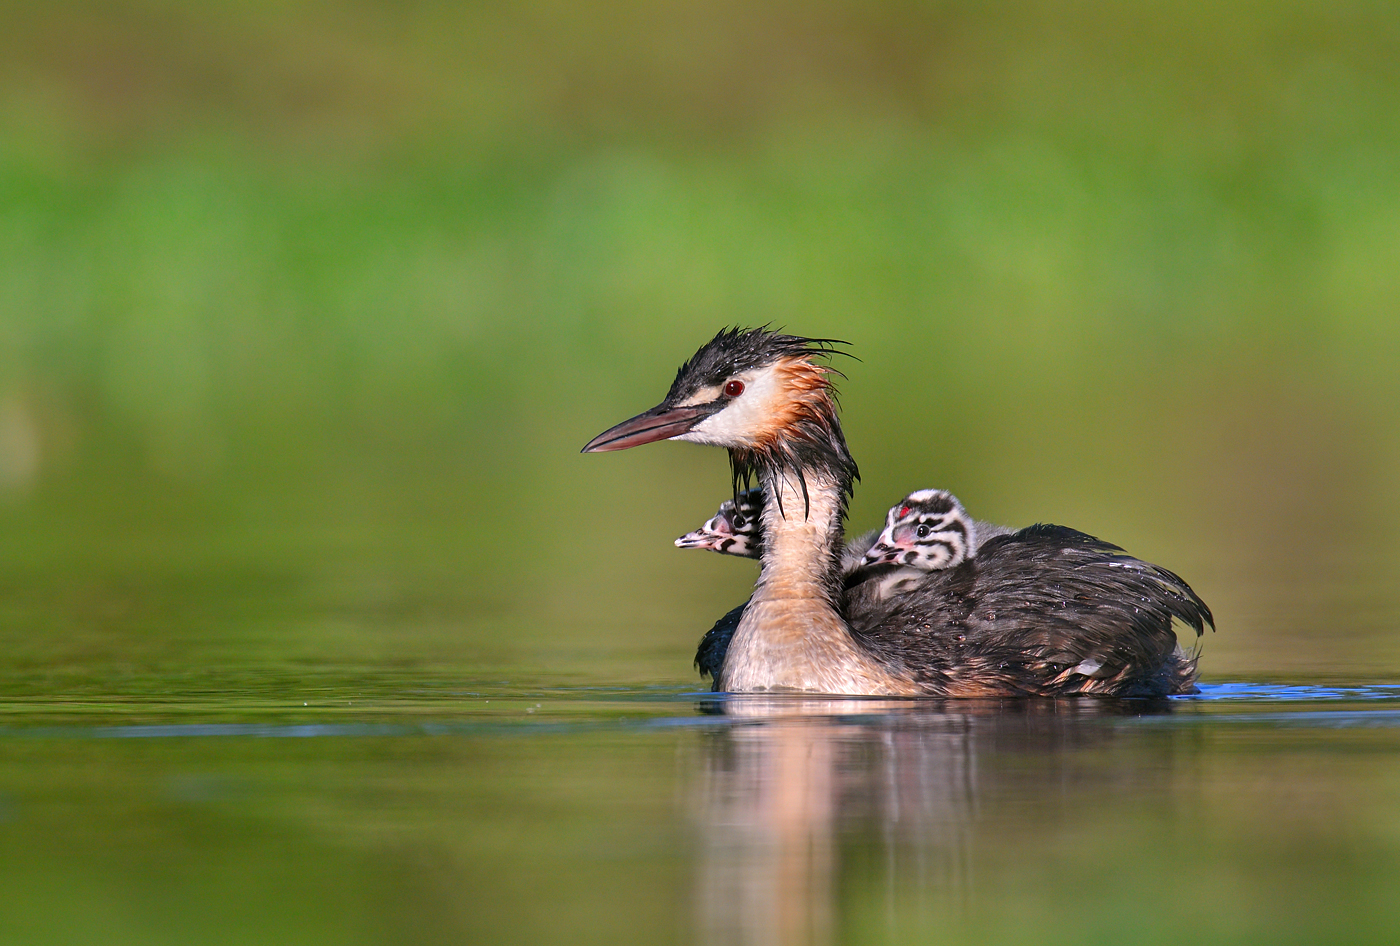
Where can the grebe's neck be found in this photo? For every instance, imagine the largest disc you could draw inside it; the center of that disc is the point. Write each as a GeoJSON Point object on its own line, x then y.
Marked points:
{"type": "Point", "coordinates": [802, 516]}
{"type": "Point", "coordinates": [792, 635]}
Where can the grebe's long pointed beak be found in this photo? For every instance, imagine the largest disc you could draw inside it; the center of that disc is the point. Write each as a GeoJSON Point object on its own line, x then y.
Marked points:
{"type": "Point", "coordinates": [659, 423]}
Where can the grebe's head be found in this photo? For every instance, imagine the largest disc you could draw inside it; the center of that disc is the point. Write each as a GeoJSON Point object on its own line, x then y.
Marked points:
{"type": "Point", "coordinates": [743, 389]}
{"type": "Point", "coordinates": [765, 396]}
{"type": "Point", "coordinates": [735, 530]}
{"type": "Point", "coordinates": [928, 530]}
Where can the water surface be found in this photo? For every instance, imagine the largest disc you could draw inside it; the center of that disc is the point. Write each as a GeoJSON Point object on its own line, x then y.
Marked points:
{"type": "Point", "coordinates": [488, 811]}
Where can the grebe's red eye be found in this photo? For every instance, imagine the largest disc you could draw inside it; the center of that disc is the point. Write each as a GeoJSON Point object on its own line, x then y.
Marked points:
{"type": "Point", "coordinates": [734, 388]}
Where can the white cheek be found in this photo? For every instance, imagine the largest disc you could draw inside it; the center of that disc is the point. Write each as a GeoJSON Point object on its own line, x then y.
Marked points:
{"type": "Point", "coordinates": [745, 417]}
{"type": "Point", "coordinates": [726, 428]}
{"type": "Point", "coordinates": [699, 434]}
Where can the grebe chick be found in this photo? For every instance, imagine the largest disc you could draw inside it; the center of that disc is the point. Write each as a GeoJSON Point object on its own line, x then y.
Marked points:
{"type": "Point", "coordinates": [734, 530]}
{"type": "Point", "coordinates": [929, 530]}
{"type": "Point", "coordinates": [1042, 611]}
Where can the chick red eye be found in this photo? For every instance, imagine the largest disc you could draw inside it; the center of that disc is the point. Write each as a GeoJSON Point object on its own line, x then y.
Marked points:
{"type": "Point", "coordinates": [923, 531]}
{"type": "Point", "coordinates": [733, 388]}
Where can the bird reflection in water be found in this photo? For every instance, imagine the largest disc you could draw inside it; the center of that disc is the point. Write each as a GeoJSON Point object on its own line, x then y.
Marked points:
{"type": "Point", "coordinates": [798, 793]}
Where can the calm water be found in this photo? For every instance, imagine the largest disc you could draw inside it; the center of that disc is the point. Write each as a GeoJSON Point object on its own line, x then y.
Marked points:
{"type": "Point", "coordinates": [381, 809]}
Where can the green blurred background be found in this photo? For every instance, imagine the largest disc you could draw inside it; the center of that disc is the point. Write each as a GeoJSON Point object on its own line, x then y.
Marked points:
{"type": "Point", "coordinates": [307, 307]}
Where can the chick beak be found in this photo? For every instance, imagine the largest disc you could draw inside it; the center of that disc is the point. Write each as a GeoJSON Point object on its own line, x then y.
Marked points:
{"type": "Point", "coordinates": [659, 423]}
{"type": "Point", "coordinates": [696, 540]}
{"type": "Point", "coordinates": [882, 554]}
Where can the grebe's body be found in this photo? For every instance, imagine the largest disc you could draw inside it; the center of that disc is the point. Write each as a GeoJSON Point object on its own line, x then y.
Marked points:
{"type": "Point", "coordinates": [1045, 610]}
{"type": "Point", "coordinates": [997, 625]}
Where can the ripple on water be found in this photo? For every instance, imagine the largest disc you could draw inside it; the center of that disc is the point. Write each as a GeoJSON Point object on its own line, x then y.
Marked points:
{"type": "Point", "coordinates": [519, 713]}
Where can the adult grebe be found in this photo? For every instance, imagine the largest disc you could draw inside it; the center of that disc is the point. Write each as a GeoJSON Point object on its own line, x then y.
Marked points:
{"type": "Point", "coordinates": [1046, 610]}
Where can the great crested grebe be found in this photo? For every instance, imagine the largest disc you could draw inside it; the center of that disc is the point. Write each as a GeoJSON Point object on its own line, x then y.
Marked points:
{"type": "Point", "coordinates": [1045, 610]}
